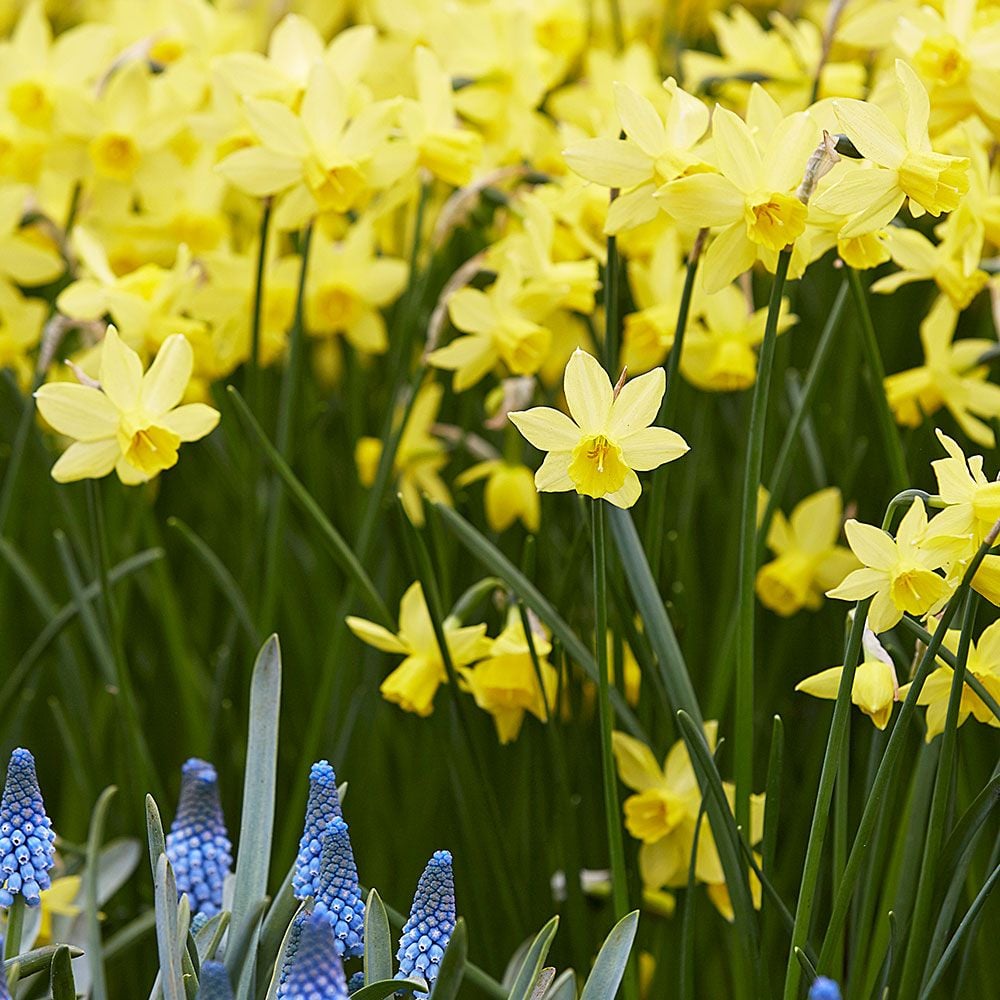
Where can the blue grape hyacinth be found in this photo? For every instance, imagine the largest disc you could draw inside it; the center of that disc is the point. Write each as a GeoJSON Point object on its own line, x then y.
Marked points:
{"type": "Point", "coordinates": [213, 983]}
{"type": "Point", "coordinates": [337, 892]}
{"type": "Point", "coordinates": [312, 968]}
{"type": "Point", "coordinates": [26, 834]}
{"type": "Point", "coordinates": [432, 919]}
{"type": "Point", "coordinates": [824, 989]}
{"type": "Point", "coordinates": [322, 807]}
{"type": "Point", "coordinates": [198, 845]}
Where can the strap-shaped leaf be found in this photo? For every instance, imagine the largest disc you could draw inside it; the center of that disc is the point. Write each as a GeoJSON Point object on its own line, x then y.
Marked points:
{"type": "Point", "coordinates": [378, 943]}
{"type": "Point", "coordinates": [452, 965]}
{"type": "Point", "coordinates": [534, 959]}
{"type": "Point", "coordinates": [168, 939]}
{"type": "Point", "coordinates": [606, 976]}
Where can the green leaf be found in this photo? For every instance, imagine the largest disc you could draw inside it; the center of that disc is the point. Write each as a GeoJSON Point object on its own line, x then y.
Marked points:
{"type": "Point", "coordinates": [378, 943]}
{"type": "Point", "coordinates": [534, 959]}
{"type": "Point", "coordinates": [257, 821]}
{"type": "Point", "coordinates": [452, 965]}
{"type": "Point", "coordinates": [564, 988]}
{"type": "Point", "coordinates": [606, 976]}
{"type": "Point", "coordinates": [95, 953]}
{"type": "Point", "coordinates": [63, 984]}
{"type": "Point", "coordinates": [38, 959]}
{"type": "Point", "coordinates": [208, 937]}
{"type": "Point", "coordinates": [154, 833]}
{"type": "Point", "coordinates": [543, 983]}
{"type": "Point", "coordinates": [491, 557]}
{"type": "Point", "coordinates": [279, 916]}
{"type": "Point", "coordinates": [388, 987]}
{"type": "Point", "coordinates": [168, 940]}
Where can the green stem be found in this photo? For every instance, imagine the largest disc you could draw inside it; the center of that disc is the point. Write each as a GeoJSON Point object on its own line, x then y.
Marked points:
{"type": "Point", "coordinates": [256, 317]}
{"type": "Point", "coordinates": [658, 500]}
{"type": "Point", "coordinates": [617, 26]}
{"type": "Point", "coordinates": [890, 760]}
{"type": "Point", "coordinates": [15, 927]}
{"type": "Point", "coordinates": [899, 478]}
{"type": "Point", "coordinates": [616, 849]}
{"type": "Point", "coordinates": [744, 736]}
{"type": "Point", "coordinates": [916, 948]}
{"type": "Point", "coordinates": [612, 303]}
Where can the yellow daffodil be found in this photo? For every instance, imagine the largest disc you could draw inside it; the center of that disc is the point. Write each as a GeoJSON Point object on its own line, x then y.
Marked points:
{"type": "Point", "coordinates": [944, 263]}
{"type": "Point", "coordinates": [949, 377]}
{"type": "Point", "coordinates": [983, 664]}
{"type": "Point", "coordinates": [414, 683]}
{"type": "Point", "coordinates": [497, 328]}
{"type": "Point", "coordinates": [510, 493]}
{"type": "Point", "coordinates": [609, 438]}
{"type": "Point", "coordinates": [875, 689]}
{"type": "Point", "coordinates": [420, 456]}
{"type": "Point", "coordinates": [809, 562]}
{"type": "Point", "coordinates": [654, 152]}
{"type": "Point", "coordinates": [505, 682]}
{"type": "Point", "coordinates": [663, 814]}
{"type": "Point", "coordinates": [902, 166]}
{"type": "Point", "coordinates": [21, 322]}
{"type": "Point", "coordinates": [24, 260]}
{"type": "Point", "coordinates": [719, 351]}
{"type": "Point", "coordinates": [753, 198]}
{"type": "Point", "coordinates": [132, 423]}
{"type": "Point", "coordinates": [898, 573]}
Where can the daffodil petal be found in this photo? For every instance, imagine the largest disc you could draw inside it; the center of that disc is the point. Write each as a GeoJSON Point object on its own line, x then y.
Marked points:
{"type": "Point", "coordinates": [637, 403]}
{"type": "Point", "coordinates": [736, 152]}
{"type": "Point", "coordinates": [86, 460]}
{"type": "Point", "coordinates": [825, 684]}
{"type": "Point", "coordinates": [121, 371]}
{"type": "Point", "coordinates": [609, 162]}
{"type": "Point", "coordinates": [871, 545]}
{"type": "Point", "coordinates": [702, 200]}
{"type": "Point", "coordinates": [858, 585]}
{"type": "Point", "coordinates": [729, 255]}
{"type": "Point", "coordinates": [546, 428]}
{"type": "Point", "coordinates": [168, 376]}
{"type": "Point", "coordinates": [628, 493]}
{"type": "Point", "coordinates": [639, 119]}
{"type": "Point", "coordinates": [553, 474]}
{"type": "Point", "coordinates": [78, 411]}
{"type": "Point", "coordinates": [651, 447]}
{"type": "Point", "coordinates": [191, 422]}
{"type": "Point", "coordinates": [375, 635]}
{"type": "Point", "coordinates": [637, 767]}
{"type": "Point", "coordinates": [588, 392]}
{"type": "Point", "coordinates": [871, 131]}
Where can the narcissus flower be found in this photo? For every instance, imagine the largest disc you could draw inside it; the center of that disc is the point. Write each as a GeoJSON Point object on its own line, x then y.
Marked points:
{"type": "Point", "coordinates": [898, 573]}
{"type": "Point", "coordinates": [132, 423]}
{"type": "Point", "coordinates": [26, 834]}
{"type": "Point", "coordinates": [902, 167]}
{"type": "Point", "coordinates": [950, 377]}
{"type": "Point", "coordinates": [505, 682]}
{"type": "Point", "coordinates": [609, 438]}
{"type": "Point", "coordinates": [510, 493]}
{"type": "Point", "coordinates": [875, 689]}
{"type": "Point", "coordinates": [431, 922]}
{"type": "Point", "coordinates": [983, 664]}
{"type": "Point", "coordinates": [809, 562]}
{"type": "Point", "coordinates": [198, 844]}
{"type": "Point", "coordinates": [413, 684]}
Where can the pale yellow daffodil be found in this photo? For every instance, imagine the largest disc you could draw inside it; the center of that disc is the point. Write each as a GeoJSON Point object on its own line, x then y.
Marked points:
{"type": "Point", "coordinates": [809, 561]}
{"type": "Point", "coordinates": [902, 167]}
{"type": "Point", "coordinates": [898, 573]}
{"type": "Point", "coordinates": [609, 438]}
{"type": "Point", "coordinates": [875, 689]}
{"type": "Point", "coordinates": [510, 493]}
{"type": "Point", "coordinates": [414, 683]}
{"type": "Point", "coordinates": [132, 423]}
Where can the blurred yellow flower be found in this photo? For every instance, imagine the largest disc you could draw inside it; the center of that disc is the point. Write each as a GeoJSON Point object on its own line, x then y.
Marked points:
{"type": "Point", "coordinates": [875, 689]}
{"type": "Point", "coordinates": [505, 682]}
{"type": "Point", "coordinates": [898, 573]}
{"type": "Point", "coordinates": [902, 164]}
{"type": "Point", "coordinates": [510, 493]}
{"type": "Point", "coordinates": [58, 901]}
{"type": "Point", "coordinates": [809, 562]}
{"type": "Point", "coordinates": [950, 377]}
{"type": "Point", "coordinates": [609, 438]}
{"type": "Point", "coordinates": [132, 423]}
{"type": "Point", "coordinates": [414, 683]}
{"type": "Point", "coordinates": [983, 664]}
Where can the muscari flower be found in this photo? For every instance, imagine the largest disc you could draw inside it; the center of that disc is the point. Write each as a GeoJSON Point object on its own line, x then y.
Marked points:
{"type": "Point", "coordinates": [355, 982]}
{"type": "Point", "coordinates": [336, 891]}
{"type": "Point", "coordinates": [132, 423]}
{"type": "Point", "coordinates": [26, 834]}
{"type": "Point", "coordinates": [213, 984]}
{"type": "Point", "coordinates": [609, 439]}
{"type": "Point", "coordinates": [322, 808]}
{"type": "Point", "coordinates": [312, 969]}
{"type": "Point", "coordinates": [824, 989]}
{"type": "Point", "coordinates": [432, 919]}
{"type": "Point", "coordinates": [198, 845]}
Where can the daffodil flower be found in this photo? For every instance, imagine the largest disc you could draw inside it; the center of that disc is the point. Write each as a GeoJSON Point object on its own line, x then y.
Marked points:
{"type": "Point", "coordinates": [902, 167]}
{"type": "Point", "coordinates": [414, 683]}
{"type": "Point", "coordinates": [809, 561]}
{"type": "Point", "coordinates": [609, 438]}
{"type": "Point", "coordinates": [897, 573]}
{"type": "Point", "coordinates": [983, 663]}
{"type": "Point", "coordinates": [753, 197]}
{"type": "Point", "coordinates": [875, 689]}
{"type": "Point", "coordinates": [505, 682]}
{"type": "Point", "coordinates": [510, 493]}
{"type": "Point", "coordinates": [950, 377]}
{"type": "Point", "coordinates": [132, 423]}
